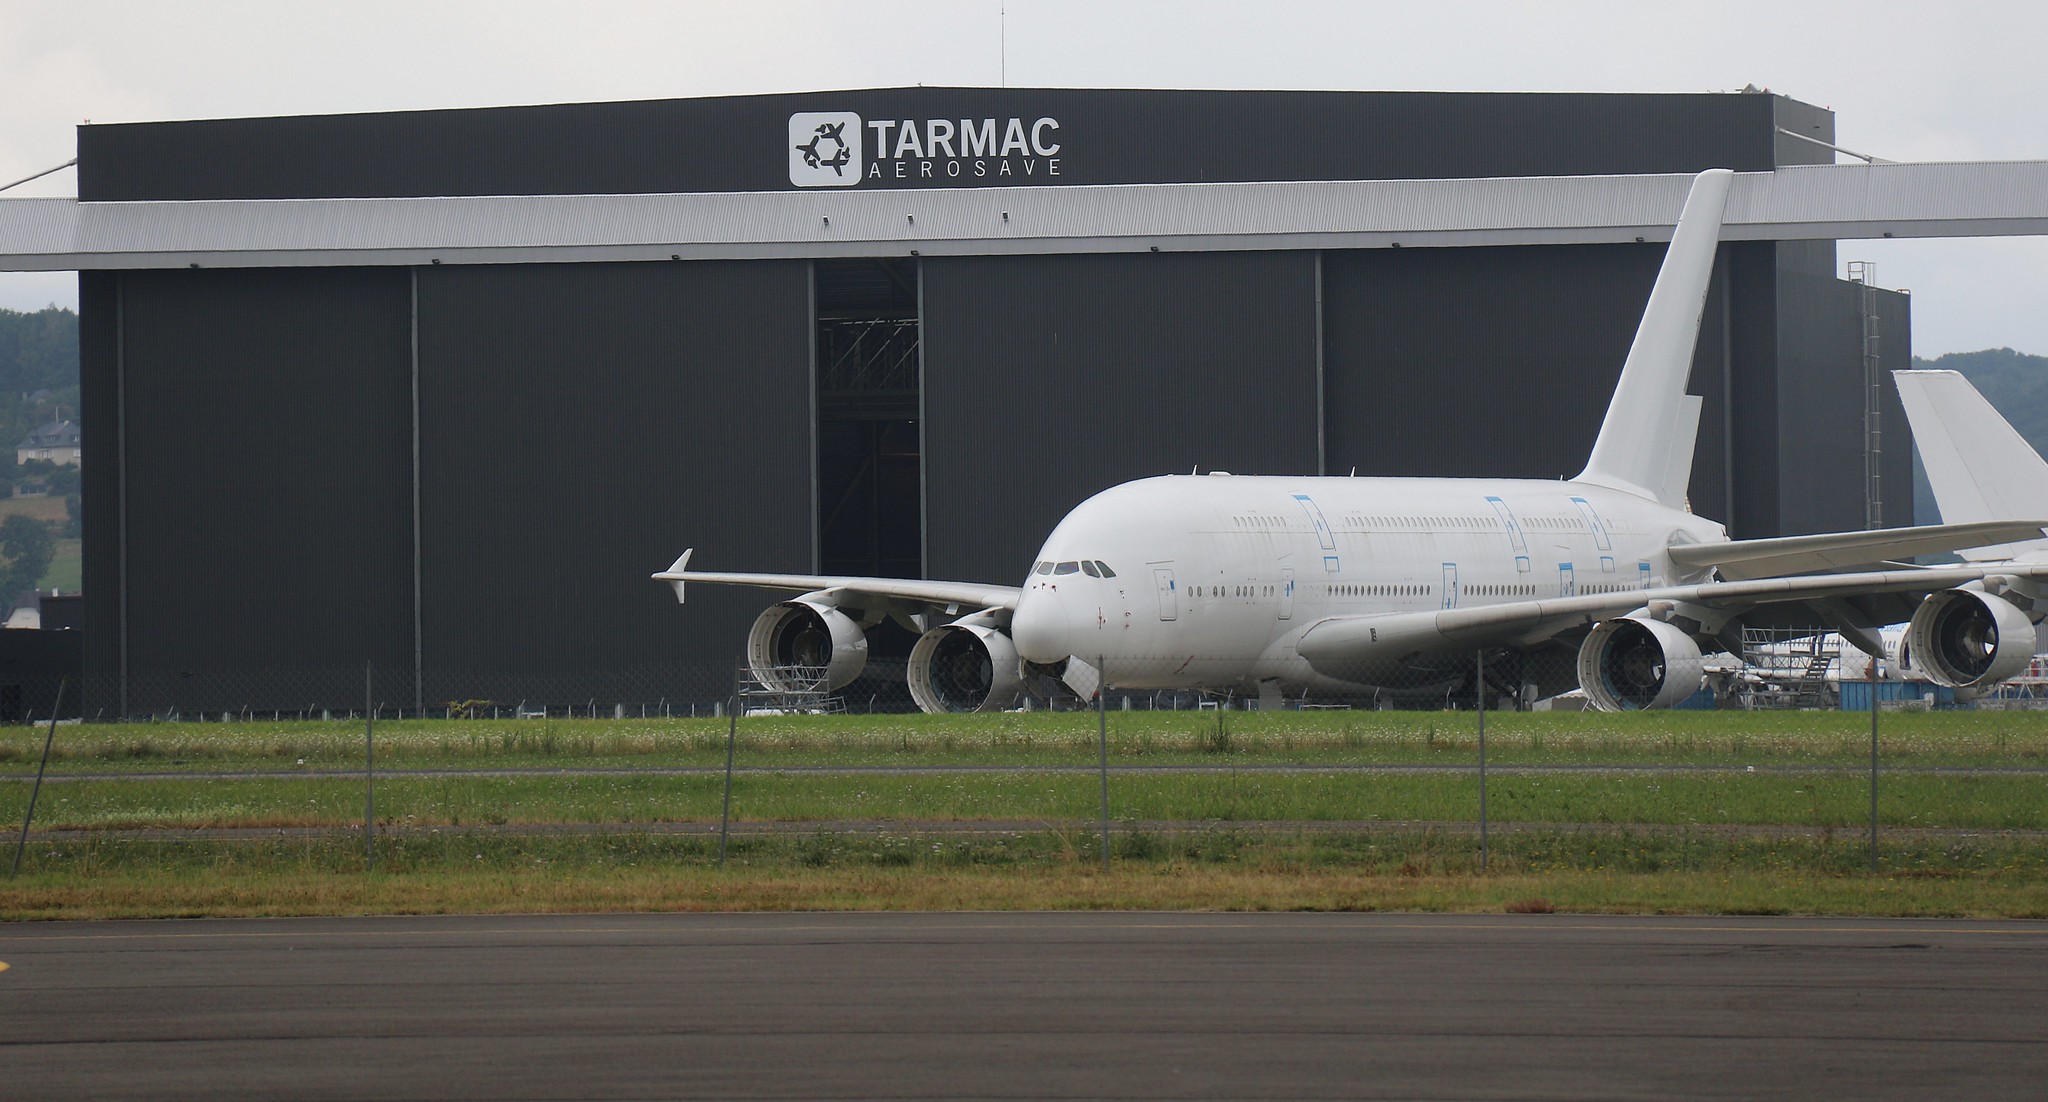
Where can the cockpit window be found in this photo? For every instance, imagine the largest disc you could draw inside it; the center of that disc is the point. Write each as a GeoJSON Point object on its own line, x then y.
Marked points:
{"type": "Point", "coordinates": [1042, 568]}
{"type": "Point", "coordinates": [1067, 568]}
{"type": "Point", "coordinates": [1104, 567]}
{"type": "Point", "coordinates": [1089, 568]}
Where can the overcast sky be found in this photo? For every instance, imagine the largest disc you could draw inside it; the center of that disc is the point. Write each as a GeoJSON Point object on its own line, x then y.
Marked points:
{"type": "Point", "coordinates": [1907, 81]}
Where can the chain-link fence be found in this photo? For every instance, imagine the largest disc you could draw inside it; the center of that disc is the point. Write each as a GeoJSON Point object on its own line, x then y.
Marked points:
{"type": "Point", "coordinates": [1447, 743]}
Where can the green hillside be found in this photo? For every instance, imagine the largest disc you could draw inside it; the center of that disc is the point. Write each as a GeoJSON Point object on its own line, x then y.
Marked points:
{"type": "Point", "coordinates": [38, 384]}
{"type": "Point", "coordinates": [38, 371]}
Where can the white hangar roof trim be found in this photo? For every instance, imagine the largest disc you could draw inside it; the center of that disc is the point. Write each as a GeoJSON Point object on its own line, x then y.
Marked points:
{"type": "Point", "coordinates": [1822, 202]}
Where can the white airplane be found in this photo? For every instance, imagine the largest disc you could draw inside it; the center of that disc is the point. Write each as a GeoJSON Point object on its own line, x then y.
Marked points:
{"type": "Point", "coordinates": [1342, 585]}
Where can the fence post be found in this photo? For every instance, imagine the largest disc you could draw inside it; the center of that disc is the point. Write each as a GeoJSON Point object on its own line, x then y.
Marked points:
{"type": "Point", "coordinates": [1873, 765]}
{"type": "Point", "coordinates": [1102, 738]}
{"type": "Point", "coordinates": [29, 816]}
{"type": "Point", "coordinates": [369, 777]}
{"type": "Point", "coordinates": [732, 735]}
{"type": "Point", "coordinates": [1482, 760]}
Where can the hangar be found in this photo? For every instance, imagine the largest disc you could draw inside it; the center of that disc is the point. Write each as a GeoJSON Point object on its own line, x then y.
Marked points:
{"type": "Point", "coordinates": [437, 390]}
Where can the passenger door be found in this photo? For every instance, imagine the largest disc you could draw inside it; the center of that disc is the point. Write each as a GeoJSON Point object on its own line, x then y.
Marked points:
{"type": "Point", "coordinates": [1169, 593]}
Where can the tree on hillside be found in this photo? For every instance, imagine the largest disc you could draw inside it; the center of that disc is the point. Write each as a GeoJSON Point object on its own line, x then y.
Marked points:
{"type": "Point", "coordinates": [39, 350]}
{"type": "Point", "coordinates": [26, 546]}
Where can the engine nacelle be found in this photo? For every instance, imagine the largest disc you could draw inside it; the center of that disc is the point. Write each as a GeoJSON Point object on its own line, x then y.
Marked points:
{"type": "Point", "coordinates": [1629, 664]}
{"type": "Point", "coordinates": [964, 668]}
{"type": "Point", "coordinates": [804, 645]}
{"type": "Point", "coordinates": [1966, 638]}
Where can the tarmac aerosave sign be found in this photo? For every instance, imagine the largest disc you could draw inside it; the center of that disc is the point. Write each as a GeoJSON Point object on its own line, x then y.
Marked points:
{"type": "Point", "coordinates": [841, 149]}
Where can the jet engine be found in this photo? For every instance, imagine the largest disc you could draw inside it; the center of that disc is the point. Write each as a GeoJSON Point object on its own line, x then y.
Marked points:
{"type": "Point", "coordinates": [795, 644]}
{"type": "Point", "coordinates": [964, 668]}
{"type": "Point", "coordinates": [1966, 638]}
{"type": "Point", "coordinates": [1631, 664]}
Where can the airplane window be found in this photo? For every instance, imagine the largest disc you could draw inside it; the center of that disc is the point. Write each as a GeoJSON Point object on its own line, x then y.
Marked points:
{"type": "Point", "coordinates": [1088, 568]}
{"type": "Point", "coordinates": [1067, 568]}
{"type": "Point", "coordinates": [1042, 568]}
{"type": "Point", "coordinates": [1104, 567]}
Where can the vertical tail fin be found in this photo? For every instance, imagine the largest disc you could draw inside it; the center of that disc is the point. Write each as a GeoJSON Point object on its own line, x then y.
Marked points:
{"type": "Point", "coordinates": [1644, 446]}
{"type": "Point", "coordinates": [1981, 468]}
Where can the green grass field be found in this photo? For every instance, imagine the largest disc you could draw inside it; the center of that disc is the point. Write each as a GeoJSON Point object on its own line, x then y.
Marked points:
{"type": "Point", "coordinates": [48, 508]}
{"type": "Point", "coordinates": [1780, 739]}
{"type": "Point", "coordinates": [1977, 802]}
{"type": "Point", "coordinates": [67, 568]}
{"type": "Point", "coordinates": [1774, 826]}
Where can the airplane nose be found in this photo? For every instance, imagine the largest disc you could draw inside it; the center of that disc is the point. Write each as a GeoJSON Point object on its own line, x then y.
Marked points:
{"type": "Point", "coordinates": [1039, 626]}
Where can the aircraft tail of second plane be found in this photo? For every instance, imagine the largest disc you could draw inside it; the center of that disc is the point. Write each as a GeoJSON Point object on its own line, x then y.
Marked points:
{"type": "Point", "coordinates": [1980, 467]}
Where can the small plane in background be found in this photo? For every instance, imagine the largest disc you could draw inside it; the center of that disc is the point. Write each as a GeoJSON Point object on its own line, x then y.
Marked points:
{"type": "Point", "coordinates": [1284, 585]}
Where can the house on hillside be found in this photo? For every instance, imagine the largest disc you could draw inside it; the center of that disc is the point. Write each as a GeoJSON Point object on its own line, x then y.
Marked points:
{"type": "Point", "coordinates": [56, 442]}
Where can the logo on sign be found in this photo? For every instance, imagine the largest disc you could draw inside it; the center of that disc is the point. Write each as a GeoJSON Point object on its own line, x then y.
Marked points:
{"type": "Point", "coordinates": [840, 149]}
{"type": "Point", "coordinates": [825, 149]}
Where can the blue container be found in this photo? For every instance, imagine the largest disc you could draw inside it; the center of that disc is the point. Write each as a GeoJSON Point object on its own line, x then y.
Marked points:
{"type": "Point", "coordinates": [1702, 701]}
{"type": "Point", "coordinates": [1856, 694]}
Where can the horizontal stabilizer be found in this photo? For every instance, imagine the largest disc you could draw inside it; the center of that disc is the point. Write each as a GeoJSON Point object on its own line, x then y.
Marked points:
{"type": "Point", "coordinates": [1741, 560]}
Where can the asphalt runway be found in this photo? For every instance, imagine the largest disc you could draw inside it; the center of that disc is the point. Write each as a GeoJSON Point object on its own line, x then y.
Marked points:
{"type": "Point", "coordinates": [1024, 1006]}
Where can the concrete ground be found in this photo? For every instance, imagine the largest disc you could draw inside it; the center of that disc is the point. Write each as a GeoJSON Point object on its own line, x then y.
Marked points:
{"type": "Point", "coordinates": [1024, 1006]}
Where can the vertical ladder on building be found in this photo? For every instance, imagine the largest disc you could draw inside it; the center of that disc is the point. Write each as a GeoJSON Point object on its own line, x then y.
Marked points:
{"type": "Point", "coordinates": [1865, 273]}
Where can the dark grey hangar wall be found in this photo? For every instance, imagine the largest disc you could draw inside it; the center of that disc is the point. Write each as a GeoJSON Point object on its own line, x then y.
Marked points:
{"type": "Point", "coordinates": [464, 474]}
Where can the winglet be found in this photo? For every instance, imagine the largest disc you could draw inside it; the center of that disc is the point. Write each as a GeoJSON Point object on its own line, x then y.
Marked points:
{"type": "Point", "coordinates": [1639, 442]}
{"type": "Point", "coordinates": [675, 573]}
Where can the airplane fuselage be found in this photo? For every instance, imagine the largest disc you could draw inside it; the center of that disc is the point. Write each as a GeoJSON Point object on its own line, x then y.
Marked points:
{"type": "Point", "coordinates": [1215, 577]}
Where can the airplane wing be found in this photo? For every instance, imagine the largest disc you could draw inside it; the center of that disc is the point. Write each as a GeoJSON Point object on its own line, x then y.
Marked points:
{"type": "Point", "coordinates": [947, 597]}
{"type": "Point", "coordinates": [1741, 560]}
{"type": "Point", "coordinates": [1341, 639]}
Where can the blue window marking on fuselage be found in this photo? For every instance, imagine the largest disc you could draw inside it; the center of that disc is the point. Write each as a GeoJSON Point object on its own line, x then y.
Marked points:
{"type": "Point", "coordinates": [1593, 522]}
{"type": "Point", "coordinates": [1324, 536]}
{"type": "Point", "coordinates": [1508, 522]}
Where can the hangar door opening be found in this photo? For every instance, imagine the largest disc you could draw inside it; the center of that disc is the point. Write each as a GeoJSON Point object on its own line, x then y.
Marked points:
{"type": "Point", "coordinates": [870, 466]}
